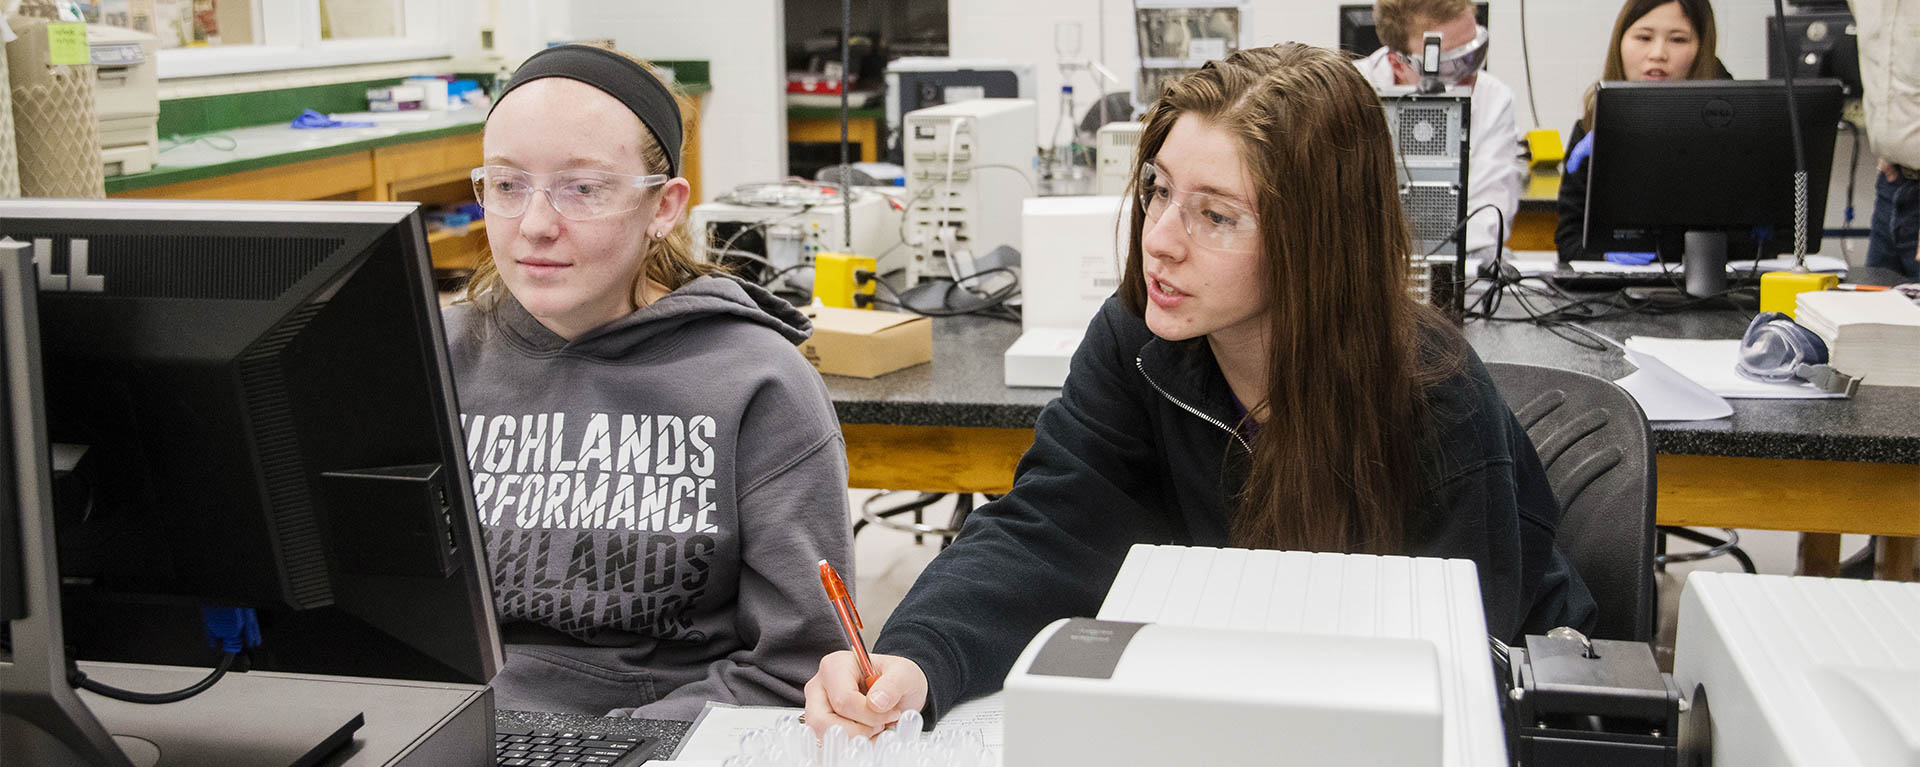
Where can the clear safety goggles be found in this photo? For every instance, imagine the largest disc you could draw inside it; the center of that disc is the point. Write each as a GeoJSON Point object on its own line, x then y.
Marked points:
{"type": "Point", "coordinates": [1458, 64]}
{"type": "Point", "coordinates": [1210, 220]}
{"type": "Point", "coordinates": [1775, 349]}
{"type": "Point", "coordinates": [580, 194]}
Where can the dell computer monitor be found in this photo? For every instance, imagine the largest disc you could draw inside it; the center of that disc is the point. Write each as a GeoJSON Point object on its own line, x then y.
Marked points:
{"type": "Point", "coordinates": [250, 405]}
{"type": "Point", "coordinates": [1712, 156]}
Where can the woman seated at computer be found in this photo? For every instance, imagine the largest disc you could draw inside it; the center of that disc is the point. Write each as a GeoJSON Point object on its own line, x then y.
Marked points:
{"type": "Point", "coordinates": [1262, 379]}
{"type": "Point", "coordinates": [1653, 41]}
{"type": "Point", "coordinates": [657, 468]}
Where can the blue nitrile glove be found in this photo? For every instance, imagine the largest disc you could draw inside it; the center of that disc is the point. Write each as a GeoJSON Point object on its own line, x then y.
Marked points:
{"type": "Point", "coordinates": [1630, 258]}
{"type": "Point", "coordinates": [312, 119]}
{"type": "Point", "coordinates": [1581, 151]}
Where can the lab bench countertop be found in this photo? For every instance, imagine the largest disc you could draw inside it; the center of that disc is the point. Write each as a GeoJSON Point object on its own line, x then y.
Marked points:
{"type": "Point", "coordinates": [964, 386]}
{"type": "Point", "coordinates": [191, 158]}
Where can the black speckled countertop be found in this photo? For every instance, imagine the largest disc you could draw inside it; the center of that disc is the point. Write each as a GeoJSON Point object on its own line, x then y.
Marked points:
{"type": "Point", "coordinates": [669, 732]}
{"type": "Point", "coordinates": [964, 386]}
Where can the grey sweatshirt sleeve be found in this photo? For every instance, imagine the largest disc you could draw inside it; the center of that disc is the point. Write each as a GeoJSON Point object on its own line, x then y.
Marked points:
{"type": "Point", "coordinates": [790, 520]}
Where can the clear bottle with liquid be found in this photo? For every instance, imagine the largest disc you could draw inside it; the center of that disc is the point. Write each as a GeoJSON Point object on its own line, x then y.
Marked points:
{"type": "Point", "coordinates": [1065, 173]}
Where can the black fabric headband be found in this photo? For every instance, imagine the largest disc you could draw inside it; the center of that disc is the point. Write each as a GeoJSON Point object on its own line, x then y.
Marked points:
{"type": "Point", "coordinates": [618, 76]}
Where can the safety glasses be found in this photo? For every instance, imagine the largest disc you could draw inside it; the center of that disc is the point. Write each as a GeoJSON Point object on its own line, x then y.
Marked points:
{"type": "Point", "coordinates": [1210, 220]}
{"type": "Point", "coordinates": [1458, 64]}
{"type": "Point", "coordinates": [580, 195]}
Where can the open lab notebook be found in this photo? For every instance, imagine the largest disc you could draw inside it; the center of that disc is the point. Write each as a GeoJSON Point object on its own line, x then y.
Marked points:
{"type": "Point", "coordinates": [1437, 600]}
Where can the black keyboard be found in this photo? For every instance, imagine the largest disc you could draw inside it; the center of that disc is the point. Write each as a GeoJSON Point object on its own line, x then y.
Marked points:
{"type": "Point", "coordinates": [520, 747]}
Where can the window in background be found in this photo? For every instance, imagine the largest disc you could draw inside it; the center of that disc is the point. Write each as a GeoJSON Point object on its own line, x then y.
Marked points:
{"type": "Point", "coordinates": [361, 19]}
{"type": "Point", "coordinates": [216, 37]}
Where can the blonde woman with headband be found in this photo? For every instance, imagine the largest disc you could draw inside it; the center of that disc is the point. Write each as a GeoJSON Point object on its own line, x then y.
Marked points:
{"type": "Point", "coordinates": [657, 468]}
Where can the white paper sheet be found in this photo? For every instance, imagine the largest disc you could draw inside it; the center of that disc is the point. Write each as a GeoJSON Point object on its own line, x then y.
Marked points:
{"type": "Point", "coordinates": [1710, 363]}
{"type": "Point", "coordinates": [715, 736]}
{"type": "Point", "coordinates": [1666, 395]}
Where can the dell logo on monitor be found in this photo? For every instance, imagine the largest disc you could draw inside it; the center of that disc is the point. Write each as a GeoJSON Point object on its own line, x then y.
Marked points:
{"type": "Point", "coordinates": [77, 279]}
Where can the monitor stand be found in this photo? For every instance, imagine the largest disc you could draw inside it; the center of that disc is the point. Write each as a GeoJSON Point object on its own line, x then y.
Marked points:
{"type": "Point", "coordinates": [1705, 263]}
{"type": "Point", "coordinates": [1704, 266]}
{"type": "Point", "coordinates": [272, 718]}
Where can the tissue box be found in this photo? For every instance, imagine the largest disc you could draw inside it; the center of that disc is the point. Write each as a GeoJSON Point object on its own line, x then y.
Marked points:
{"type": "Point", "coordinates": [866, 344]}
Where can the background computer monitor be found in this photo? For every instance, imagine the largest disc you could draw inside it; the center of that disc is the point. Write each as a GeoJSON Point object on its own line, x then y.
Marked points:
{"type": "Point", "coordinates": [264, 398]}
{"type": "Point", "coordinates": [1707, 156]}
{"type": "Point", "coordinates": [1360, 35]}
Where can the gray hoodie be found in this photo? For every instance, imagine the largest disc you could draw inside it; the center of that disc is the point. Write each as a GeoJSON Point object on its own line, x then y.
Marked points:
{"type": "Point", "coordinates": [655, 495]}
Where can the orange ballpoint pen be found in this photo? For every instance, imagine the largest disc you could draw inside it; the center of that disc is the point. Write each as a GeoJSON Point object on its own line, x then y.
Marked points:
{"type": "Point", "coordinates": [849, 620]}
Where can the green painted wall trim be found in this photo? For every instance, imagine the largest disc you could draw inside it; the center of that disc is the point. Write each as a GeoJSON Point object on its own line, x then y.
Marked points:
{"type": "Point", "coordinates": [162, 175]}
{"type": "Point", "coordinates": [207, 114]}
{"type": "Point", "coordinates": [693, 76]}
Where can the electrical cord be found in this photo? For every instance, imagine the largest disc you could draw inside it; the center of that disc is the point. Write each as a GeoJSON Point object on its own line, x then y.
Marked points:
{"type": "Point", "coordinates": [1799, 144]}
{"type": "Point", "coordinates": [79, 679]}
{"type": "Point", "coordinates": [1526, 61]}
{"type": "Point", "coordinates": [994, 304]}
{"type": "Point", "coordinates": [1853, 166]}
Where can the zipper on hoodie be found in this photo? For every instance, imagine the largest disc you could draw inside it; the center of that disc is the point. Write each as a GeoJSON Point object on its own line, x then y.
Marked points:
{"type": "Point", "coordinates": [1141, 365]}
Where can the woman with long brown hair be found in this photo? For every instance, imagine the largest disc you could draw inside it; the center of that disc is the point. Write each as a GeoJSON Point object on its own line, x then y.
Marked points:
{"type": "Point", "coordinates": [1263, 379]}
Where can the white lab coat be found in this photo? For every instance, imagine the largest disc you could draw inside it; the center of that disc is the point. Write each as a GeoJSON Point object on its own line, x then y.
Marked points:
{"type": "Point", "coordinates": [1890, 74]}
{"type": "Point", "coordinates": [1495, 174]}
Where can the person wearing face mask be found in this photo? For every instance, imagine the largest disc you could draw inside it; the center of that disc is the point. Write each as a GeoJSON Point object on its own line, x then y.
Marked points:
{"type": "Point", "coordinates": [1496, 174]}
{"type": "Point", "coordinates": [1653, 41]}
{"type": "Point", "coordinates": [1262, 379]}
{"type": "Point", "coordinates": [656, 467]}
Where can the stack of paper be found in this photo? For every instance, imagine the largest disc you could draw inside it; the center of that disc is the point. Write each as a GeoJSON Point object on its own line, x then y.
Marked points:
{"type": "Point", "coordinates": [1873, 336]}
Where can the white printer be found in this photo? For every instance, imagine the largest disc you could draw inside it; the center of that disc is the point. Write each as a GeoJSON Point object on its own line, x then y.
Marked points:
{"type": "Point", "coordinates": [127, 97]}
{"type": "Point", "coordinates": [1232, 657]}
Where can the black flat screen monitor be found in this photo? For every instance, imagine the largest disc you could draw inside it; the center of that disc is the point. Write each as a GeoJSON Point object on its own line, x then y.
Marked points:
{"type": "Point", "coordinates": [250, 405]}
{"type": "Point", "coordinates": [1706, 156]}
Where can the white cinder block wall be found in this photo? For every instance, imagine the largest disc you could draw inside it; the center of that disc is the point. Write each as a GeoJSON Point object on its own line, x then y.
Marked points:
{"type": "Point", "coordinates": [743, 121]}
{"type": "Point", "coordinates": [1567, 41]}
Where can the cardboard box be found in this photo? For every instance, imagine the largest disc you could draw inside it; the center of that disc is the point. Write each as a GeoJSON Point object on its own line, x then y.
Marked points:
{"type": "Point", "coordinates": [866, 344]}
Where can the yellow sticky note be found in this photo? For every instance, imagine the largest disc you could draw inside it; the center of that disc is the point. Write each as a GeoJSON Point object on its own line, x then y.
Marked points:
{"type": "Point", "coordinates": [67, 44]}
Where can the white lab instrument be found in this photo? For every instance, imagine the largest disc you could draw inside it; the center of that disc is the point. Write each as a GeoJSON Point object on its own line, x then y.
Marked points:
{"type": "Point", "coordinates": [1802, 671]}
{"type": "Point", "coordinates": [789, 224]}
{"type": "Point", "coordinates": [919, 82]}
{"type": "Point", "coordinates": [969, 166]}
{"type": "Point", "coordinates": [1114, 146]}
{"type": "Point", "coordinates": [127, 97]}
{"type": "Point", "coordinates": [1071, 263]}
{"type": "Point", "coordinates": [1273, 658]}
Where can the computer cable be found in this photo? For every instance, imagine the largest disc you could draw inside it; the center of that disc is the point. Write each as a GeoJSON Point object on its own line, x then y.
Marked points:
{"type": "Point", "coordinates": [230, 629]}
{"type": "Point", "coordinates": [1526, 62]}
{"type": "Point", "coordinates": [1853, 166]}
{"type": "Point", "coordinates": [79, 679]}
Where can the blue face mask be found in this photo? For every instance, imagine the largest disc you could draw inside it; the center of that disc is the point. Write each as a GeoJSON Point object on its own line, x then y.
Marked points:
{"type": "Point", "coordinates": [1775, 349]}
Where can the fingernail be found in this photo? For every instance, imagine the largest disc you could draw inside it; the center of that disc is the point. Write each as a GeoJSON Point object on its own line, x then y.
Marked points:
{"type": "Point", "coordinates": [881, 700]}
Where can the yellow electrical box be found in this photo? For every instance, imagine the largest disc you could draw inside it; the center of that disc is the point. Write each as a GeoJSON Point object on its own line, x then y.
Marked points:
{"type": "Point", "coordinates": [1543, 144]}
{"type": "Point", "coordinates": [835, 284]}
{"type": "Point", "coordinates": [1780, 291]}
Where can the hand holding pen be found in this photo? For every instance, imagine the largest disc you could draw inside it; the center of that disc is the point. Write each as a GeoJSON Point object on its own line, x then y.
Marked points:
{"type": "Point", "coordinates": [861, 693]}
